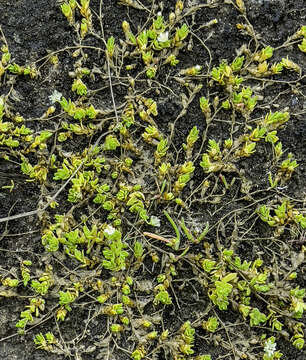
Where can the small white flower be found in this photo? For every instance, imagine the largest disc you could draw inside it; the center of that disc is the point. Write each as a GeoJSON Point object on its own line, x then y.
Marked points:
{"type": "Point", "coordinates": [55, 96]}
{"type": "Point", "coordinates": [159, 13]}
{"type": "Point", "coordinates": [163, 37]}
{"type": "Point", "coordinates": [109, 230]}
{"type": "Point", "coordinates": [198, 67]}
{"type": "Point", "coordinates": [270, 348]}
{"type": "Point", "coordinates": [155, 221]}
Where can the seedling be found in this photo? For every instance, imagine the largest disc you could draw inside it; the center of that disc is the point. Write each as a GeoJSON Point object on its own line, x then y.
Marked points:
{"type": "Point", "coordinates": [110, 47]}
{"type": "Point", "coordinates": [79, 87]}
{"type": "Point", "coordinates": [45, 342]}
{"type": "Point", "coordinates": [176, 241]}
{"type": "Point", "coordinates": [114, 252]}
{"type": "Point", "coordinates": [264, 54]}
{"type": "Point", "coordinates": [180, 35]}
{"type": "Point", "coordinates": [220, 294]}
{"type": "Point", "coordinates": [67, 11]}
{"type": "Point", "coordinates": [288, 167]}
{"type": "Point", "coordinates": [111, 143]}
{"type": "Point", "coordinates": [105, 193]}
{"type": "Point", "coordinates": [211, 324]}
{"type": "Point", "coordinates": [302, 46]}
{"type": "Point", "coordinates": [192, 137]}
{"type": "Point", "coordinates": [162, 296]}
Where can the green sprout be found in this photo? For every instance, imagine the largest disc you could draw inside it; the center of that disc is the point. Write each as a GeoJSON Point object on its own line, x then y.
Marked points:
{"type": "Point", "coordinates": [209, 166]}
{"type": "Point", "coordinates": [66, 298]}
{"type": "Point", "coordinates": [147, 57]}
{"type": "Point", "coordinates": [186, 171]}
{"type": "Point", "coordinates": [284, 214]}
{"type": "Point", "coordinates": [142, 40]}
{"type": "Point", "coordinates": [151, 72]}
{"type": "Point", "coordinates": [138, 354]}
{"type": "Point", "coordinates": [110, 47]}
{"type": "Point", "coordinates": [271, 137]}
{"type": "Point", "coordinates": [205, 107]}
{"type": "Point", "coordinates": [45, 342]}
{"type": "Point", "coordinates": [256, 317]}
{"type": "Point", "coordinates": [290, 65]}
{"type": "Point", "coordinates": [10, 282]}
{"type": "Point", "coordinates": [211, 325]}
{"type": "Point", "coordinates": [298, 341]}
{"type": "Point", "coordinates": [79, 87]}
{"type": "Point", "coordinates": [138, 250]}
{"type": "Point", "coordinates": [15, 69]}
{"type": "Point", "coordinates": [237, 63]}
{"type": "Point", "coordinates": [288, 166]}
{"type": "Point", "coordinates": [220, 294]}
{"type": "Point", "coordinates": [114, 310]}
{"type": "Point", "coordinates": [180, 35]}
{"type": "Point", "coordinates": [162, 296]}
{"type": "Point", "coordinates": [172, 60]}
{"type": "Point", "coordinates": [264, 54]}
{"type": "Point", "coordinates": [297, 303]}
{"type": "Point", "coordinates": [192, 71]}
{"type": "Point", "coordinates": [186, 338]}
{"type": "Point", "coordinates": [111, 143]}
{"type": "Point", "coordinates": [192, 137]}
{"type": "Point", "coordinates": [136, 205]}
{"type": "Point", "coordinates": [158, 23]}
{"type": "Point", "coordinates": [270, 350]}
{"type": "Point", "coordinates": [67, 11]}
{"type": "Point", "coordinates": [274, 120]}
{"type": "Point", "coordinates": [302, 46]}
{"type": "Point", "coordinates": [277, 68]}
{"type": "Point", "coordinates": [161, 150]}
{"type": "Point", "coordinates": [243, 101]}
{"type": "Point", "coordinates": [116, 328]}
{"type": "Point", "coordinates": [214, 151]}
{"type": "Point", "coordinates": [247, 150]}
{"type": "Point", "coordinates": [84, 27]}
{"type": "Point", "coordinates": [114, 252]}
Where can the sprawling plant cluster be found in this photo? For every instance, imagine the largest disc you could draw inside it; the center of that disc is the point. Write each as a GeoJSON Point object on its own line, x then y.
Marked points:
{"type": "Point", "coordinates": [119, 219]}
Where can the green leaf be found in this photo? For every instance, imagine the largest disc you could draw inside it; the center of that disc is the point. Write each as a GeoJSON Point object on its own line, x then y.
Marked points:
{"type": "Point", "coordinates": [111, 143]}
{"type": "Point", "coordinates": [256, 317]}
{"type": "Point", "coordinates": [237, 63]}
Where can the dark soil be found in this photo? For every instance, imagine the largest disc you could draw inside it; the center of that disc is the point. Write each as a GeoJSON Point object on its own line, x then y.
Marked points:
{"type": "Point", "coordinates": [33, 29]}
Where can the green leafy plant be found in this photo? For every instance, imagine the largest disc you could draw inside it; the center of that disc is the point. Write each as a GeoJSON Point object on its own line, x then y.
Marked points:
{"type": "Point", "coordinates": [110, 47]}
{"type": "Point", "coordinates": [67, 11]}
{"type": "Point", "coordinates": [162, 296]}
{"type": "Point", "coordinates": [264, 54]}
{"type": "Point", "coordinates": [45, 342]}
{"type": "Point", "coordinates": [270, 350]}
{"type": "Point", "coordinates": [111, 143]}
{"type": "Point", "coordinates": [288, 167]}
{"type": "Point", "coordinates": [192, 138]}
{"type": "Point", "coordinates": [283, 214]}
{"type": "Point", "coordinates": [211, 324]}
{"type": "Point", "coordinates": [257, 317]}
{"type": "Point", "coordinates": [79, 87]}
{"type": "Point", "coordinates": [219, 295]}
{"type": "Point", "coordinates": [114, 252]}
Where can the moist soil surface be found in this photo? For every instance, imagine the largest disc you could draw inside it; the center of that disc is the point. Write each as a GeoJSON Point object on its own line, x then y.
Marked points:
{"type": "Point", "coordinates": [226, 200]}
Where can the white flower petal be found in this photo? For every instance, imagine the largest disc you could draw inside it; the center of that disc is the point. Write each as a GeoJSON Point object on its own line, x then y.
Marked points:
{"type": "Point", "coordinates": [55, 96]}
{"type": "Point", "coordinates": [109, 230]}
{"type": "Point", "coordinates": [163, 37]}
{"type": "Point", "coordinates": [270, 347]}
{"type": "Point", "coordinates": [155, 221]}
